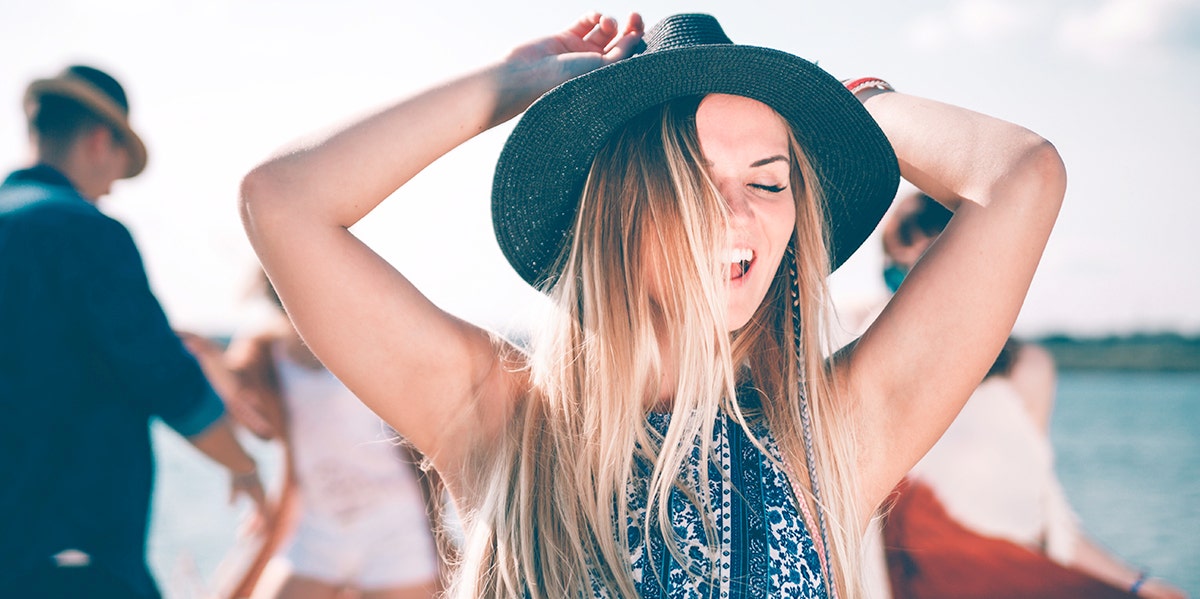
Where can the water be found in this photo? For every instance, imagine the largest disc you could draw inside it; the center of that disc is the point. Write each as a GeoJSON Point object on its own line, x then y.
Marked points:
{"type": "Point", "coordinates": [1128, 455]}
{"type": "Point", "coordinates": [193, 525]}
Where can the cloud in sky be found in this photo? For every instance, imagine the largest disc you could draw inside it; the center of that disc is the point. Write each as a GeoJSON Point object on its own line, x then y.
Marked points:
{"type": "Point", "coordinates": [972, 21]}
{"type": "Point", "coordinates": [1108, 32]}
{"type": "Point", "coordinates": [1128, 31]}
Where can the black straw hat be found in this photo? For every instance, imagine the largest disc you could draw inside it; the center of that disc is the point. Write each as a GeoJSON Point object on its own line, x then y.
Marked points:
{"type": "Point", "coordinates": [545, 162]}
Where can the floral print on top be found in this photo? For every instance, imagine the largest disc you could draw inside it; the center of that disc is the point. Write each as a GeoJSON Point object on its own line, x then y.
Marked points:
{"type": "Point", "coordinates": [764, 548]}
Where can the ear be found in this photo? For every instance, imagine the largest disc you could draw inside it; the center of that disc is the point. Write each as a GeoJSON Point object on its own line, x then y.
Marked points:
{"type": "Point", "coordinates": [97, 140]}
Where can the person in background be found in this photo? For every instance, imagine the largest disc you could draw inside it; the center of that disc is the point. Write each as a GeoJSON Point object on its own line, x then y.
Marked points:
{"type": "Point", "coordinates": [351, 516]}
{"type": "Point", "coordinates": [87, 358]}
{"type": "Point", "coordinates": [983, 513]}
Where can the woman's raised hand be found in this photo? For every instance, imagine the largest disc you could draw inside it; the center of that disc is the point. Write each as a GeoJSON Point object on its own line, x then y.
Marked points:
{"type": "Point", "coordinates": [589, 43]}
{"type": "Point", "coordinates": [593, 41]}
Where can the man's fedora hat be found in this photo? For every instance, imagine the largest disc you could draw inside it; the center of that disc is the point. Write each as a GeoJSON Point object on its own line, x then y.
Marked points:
{"type": "Point", "coordinates": [99, 93]}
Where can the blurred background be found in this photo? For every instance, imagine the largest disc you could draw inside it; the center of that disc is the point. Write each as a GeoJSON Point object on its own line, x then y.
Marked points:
{"type": "Point", "coordinates": [216, 86]}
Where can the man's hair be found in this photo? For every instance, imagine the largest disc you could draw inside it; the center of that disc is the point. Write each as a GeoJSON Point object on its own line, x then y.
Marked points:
{"type": "Point", "coordinates": [929, 219]}
{"type": "Point", "coordinates": [59, 121]}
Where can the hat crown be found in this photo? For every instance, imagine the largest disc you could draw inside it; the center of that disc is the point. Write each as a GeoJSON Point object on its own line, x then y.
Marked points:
{"type": "Point", "coordinates": [684, 31]}
{"type": "Point", "coordinates": [103, 82]}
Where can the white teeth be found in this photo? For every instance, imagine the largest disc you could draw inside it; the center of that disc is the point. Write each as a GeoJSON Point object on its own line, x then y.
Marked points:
{"type": "Point", "coordinates": [739, 255]}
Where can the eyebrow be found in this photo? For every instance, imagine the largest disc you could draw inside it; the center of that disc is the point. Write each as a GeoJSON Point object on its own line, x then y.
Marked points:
{"type": "Point", "coordinates": [757, 163]}
{"type": "Point", "coordinates": [766, 161]}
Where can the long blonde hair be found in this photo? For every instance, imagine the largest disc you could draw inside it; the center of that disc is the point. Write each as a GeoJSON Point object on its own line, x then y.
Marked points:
{"type": "Point", "coordinates": [550, 509]}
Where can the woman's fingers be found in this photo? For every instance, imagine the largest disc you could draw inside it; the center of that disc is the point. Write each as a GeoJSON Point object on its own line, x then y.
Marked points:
{"type": "Point", "coordinates": [584, 25]}
{"type": "Point", "coordinates": [602, 32]}
{"type": "Point", "coordinates": [624, 45]}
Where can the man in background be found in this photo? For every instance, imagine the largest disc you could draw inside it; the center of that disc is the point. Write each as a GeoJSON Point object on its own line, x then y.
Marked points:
{"type": "Point", "coordinates": [87, 358]}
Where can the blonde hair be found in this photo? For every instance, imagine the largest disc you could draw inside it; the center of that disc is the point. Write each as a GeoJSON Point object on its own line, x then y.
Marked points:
{"type": "Point", "coordinates": [550, 509]}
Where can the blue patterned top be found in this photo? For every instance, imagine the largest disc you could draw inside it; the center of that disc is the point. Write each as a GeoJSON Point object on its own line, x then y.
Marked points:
{"type": "Point", "coordinates": [765, 549]}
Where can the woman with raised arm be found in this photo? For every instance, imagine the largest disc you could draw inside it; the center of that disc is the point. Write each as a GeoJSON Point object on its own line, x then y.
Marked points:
{"type": "Point", "coordinates": [354, 512]}
{"type": "Point", "coordinates": [676, 428]}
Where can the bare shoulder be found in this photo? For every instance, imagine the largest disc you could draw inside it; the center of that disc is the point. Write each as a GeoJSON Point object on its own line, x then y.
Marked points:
{"type": "Point", "coordinates": [1034, 374]}
{"type": "Point", "coordinates": [1034, 367]}
{"type": "Point", "coordinates": [1035, 357]}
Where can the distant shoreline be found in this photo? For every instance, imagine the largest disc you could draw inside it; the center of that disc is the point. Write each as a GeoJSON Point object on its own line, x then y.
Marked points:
{"type": "Point", "coordinates": [1144, 352]}
{"type": "Point", "coordinates": [1139, 352]}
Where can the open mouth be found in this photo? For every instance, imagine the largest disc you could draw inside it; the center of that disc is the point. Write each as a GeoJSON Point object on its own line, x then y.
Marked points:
{"type": "Point", "coordinates": [740, 260]}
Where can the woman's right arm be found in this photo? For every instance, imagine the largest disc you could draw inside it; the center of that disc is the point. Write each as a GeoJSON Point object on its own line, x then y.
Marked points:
{"type": "Point", "coordinates": [433, 377]}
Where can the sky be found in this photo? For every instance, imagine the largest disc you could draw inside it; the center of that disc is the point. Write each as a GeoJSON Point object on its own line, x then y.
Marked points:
{"type": "Point", "coordinates": [217, 86]}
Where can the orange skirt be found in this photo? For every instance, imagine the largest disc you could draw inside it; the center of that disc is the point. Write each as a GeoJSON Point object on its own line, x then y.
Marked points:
{"type": "Point", "coordinates": [931, 556]}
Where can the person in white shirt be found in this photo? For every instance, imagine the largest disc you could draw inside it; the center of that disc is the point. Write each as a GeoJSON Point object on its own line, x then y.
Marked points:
{"type": "Point", "coordinates": [983, 513]}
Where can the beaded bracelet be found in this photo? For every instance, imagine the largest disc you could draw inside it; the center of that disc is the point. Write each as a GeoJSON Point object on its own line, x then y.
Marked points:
{"type": "Point", "coordinates": [857, 85]}
{"type": "Point", "coordinates": [1137, 584]}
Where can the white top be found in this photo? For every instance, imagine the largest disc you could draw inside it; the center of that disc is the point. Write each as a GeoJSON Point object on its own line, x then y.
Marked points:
{"type": "Point", "coordinates": [993, 470]}
{"type": "Point", "coordinates": [345, 460]}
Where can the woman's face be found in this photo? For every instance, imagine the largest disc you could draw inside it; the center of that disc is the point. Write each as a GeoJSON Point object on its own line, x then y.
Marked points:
{"type": "Point", "coordinates": [745, 145]}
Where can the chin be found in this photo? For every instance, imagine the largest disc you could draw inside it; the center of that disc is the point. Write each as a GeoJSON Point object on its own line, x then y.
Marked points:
{"type": "Point", "coordinates": [738, 317]}
{"type": "Point", "coordinates": [743, 304]}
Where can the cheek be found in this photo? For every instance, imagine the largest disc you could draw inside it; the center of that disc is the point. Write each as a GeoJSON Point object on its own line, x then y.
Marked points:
{"type": "Point", "coordinates": [122, 165]}
{"type": "Point", "coordinates": [780, 223]}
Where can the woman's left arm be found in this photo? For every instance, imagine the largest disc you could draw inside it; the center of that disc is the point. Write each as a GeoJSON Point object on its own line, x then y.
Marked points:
{"type": "Point", "coordinates": [912, 370]}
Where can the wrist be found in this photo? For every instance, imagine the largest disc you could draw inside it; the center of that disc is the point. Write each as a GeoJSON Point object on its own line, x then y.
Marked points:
{"type": "Point", "coordinates": [1137, 585]}
{"type": "Point", "coordinates": [519, 81]}
{"type": "Point", "coordinates": [245, 473]}
{"type": "Point", "coordinates": [865, 87]}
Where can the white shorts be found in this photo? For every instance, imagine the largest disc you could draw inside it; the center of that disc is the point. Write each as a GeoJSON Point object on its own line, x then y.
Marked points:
{"type": "Point", "coordinates": [388, 547]}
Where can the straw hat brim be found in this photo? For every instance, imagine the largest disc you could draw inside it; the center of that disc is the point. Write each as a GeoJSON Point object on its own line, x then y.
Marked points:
{"type": "Point", "coordinates": [545, 162]}
{"type": "Point", "coordinates": [100, 104]}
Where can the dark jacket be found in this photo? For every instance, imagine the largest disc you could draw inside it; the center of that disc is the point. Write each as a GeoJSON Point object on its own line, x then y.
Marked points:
{"type": "Point", "coordinates": [87, 358]}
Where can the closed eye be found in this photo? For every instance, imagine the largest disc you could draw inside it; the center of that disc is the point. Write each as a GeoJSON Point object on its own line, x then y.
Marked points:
{"type": "Point", "coordinates": [769, 188]}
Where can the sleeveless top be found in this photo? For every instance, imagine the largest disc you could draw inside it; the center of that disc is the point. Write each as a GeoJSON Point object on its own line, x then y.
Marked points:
{"type": "Point", "coordinates": [345, 461]}
{"type": "Point", "coordinates": [763, 547]}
